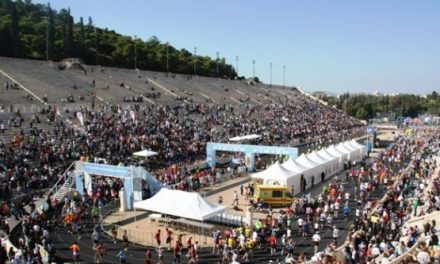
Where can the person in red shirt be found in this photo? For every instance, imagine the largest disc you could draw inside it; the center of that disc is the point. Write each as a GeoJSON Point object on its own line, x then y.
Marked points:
{"type": "Point", "coordinates": [157, 237]}
{"type": "Point", "coordinates": [189, 244]}
{"type": "Point", "coordinates": [169, 234]}
{"type": "Point", "coordinates": [177, 252]}
{"type": "Point", "coordinates": [273, 244]}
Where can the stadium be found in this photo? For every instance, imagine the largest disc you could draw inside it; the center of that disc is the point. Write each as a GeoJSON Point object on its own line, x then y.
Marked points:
{"type": "Point", "coordinates": [110, 164]}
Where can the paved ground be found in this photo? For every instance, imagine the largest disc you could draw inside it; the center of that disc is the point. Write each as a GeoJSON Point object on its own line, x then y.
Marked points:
{"type": "Point", "coordinates": [136, 253]}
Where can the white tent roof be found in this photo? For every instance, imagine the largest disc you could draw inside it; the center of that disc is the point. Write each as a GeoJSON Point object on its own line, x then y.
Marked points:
{"type": "Point", "coordinates": [292, 165]}
{"type": "Point", "coordinates": [347, 145]}
{"type": "Point", "coordinates": [247, 137]}
{"type": "Point", "coordinates": [274, 172]}
{"type": "Point", "coordinates": [325, 154]}
{"type": "Point", "coordinates": [335, 152]}
{"type": "Point", "coordinates": [314, 156]}
{"type": "Point", "coordinates": [179, 203]}
{"type": "Point", "coordinates": [305, 161]}
{"type": "Point", "coordinates": [341, 148]}
{"type": "Point", "coordinates": [355, 144]}
{"type": "Point", "coordinates": [145, 153]}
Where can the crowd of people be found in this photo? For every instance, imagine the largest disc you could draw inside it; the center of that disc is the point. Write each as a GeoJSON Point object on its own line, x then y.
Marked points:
{"type": "Point", "coordinates": [377, 221]}
{"type": "Point", "coordinates": [179, 134]}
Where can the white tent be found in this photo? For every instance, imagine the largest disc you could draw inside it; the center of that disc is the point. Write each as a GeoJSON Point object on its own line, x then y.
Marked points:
{"type": "Point", "coordinates": [294, 166]}
{"type": "Point", "coordinates": [274, 174]}
{"type": "Point", "coordinates": [315, 168]}
{"type": "Point", "coordinates": [335, 161]}
{"type": "Point", "coordinates": [356, 152]}
{"type": "Point", "coordinates": [145, 153]}
{"type": "Point", "coordinates": [299, 169]}
{"type": "Point", "coordinates": [188, 205]}
{"type": "Point", "coordinates": [337, 153]}
{"type": "Point", "coordinates": [325, 163]}
{"type": "Point", "coordinates": [363, 149]}
{"type": "Point", "coordinates": [349, 152]}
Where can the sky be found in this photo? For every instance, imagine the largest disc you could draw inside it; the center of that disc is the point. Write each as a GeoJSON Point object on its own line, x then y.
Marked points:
{"type": "Point", "coordinates": [336, 46]}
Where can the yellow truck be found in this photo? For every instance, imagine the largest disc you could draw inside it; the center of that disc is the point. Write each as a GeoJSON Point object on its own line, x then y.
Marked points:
{"type": "Point", "coordinates": [273, 195]}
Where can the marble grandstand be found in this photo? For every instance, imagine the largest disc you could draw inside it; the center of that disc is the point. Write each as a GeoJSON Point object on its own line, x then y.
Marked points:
{"type": "Point", "coordinates": [63, 86]}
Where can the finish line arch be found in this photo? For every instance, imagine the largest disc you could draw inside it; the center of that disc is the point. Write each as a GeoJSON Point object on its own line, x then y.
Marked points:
{"type": "Point", "coordinates": [131, 175]}
{"type": "Point", "coordinates": [248, 150]}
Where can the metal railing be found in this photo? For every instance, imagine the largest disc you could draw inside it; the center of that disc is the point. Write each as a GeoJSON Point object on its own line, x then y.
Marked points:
{"type": "Point", "coordinates": [60, 181]}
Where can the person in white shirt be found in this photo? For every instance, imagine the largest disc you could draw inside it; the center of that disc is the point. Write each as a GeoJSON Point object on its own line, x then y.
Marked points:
{"type": "Point", "coordinates": [335, 234]}
{"type": "Point", "coordinates": [300, 224]}
{"type": "Point", "coordinates": [316, 238]}
{"type": "Point", "coordinates": [423, 257]}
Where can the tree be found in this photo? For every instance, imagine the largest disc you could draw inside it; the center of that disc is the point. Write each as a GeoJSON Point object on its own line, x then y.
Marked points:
{"type": "Point", "coordinates": [26, 29]}
{"type": "Point", "coordinates": [51, 31]}
{"type": "Point", "coordinates": [81, 30]}
{"type": "Point", "coordinates": [15, 41]}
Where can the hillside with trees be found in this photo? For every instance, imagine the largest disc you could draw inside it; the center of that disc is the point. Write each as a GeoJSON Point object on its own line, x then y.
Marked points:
{"type": "Point", "coordinates": [367, 106]}
{"type": "Point", "coordinates": [36, 31]}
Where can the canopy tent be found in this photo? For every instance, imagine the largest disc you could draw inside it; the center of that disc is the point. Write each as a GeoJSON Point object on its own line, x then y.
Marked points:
{"type": "Point", "coordinates": [299, 169]}
{"type": "Point", "coordinates": [315, 168]}
{"type": "Point", "coordinates": [343, 156]}
{"type": "Point", "coordinates": [145, 153]}
{"type": "Point", "coordinates": [355, 152]}
{"type": "Point", "coordinates": [349, 152]}
{"type": "Point", "coordinates": [275, 174]}
{"type": "Point", "coordinates": [363, 149]}
{"type": "Point", "coordinates": [325, 163]}
{"type": "Point", "coordinates": [188, 205]}
{"type": "Point", "coordinates": [247, 137]}
{"type": "Point", "coordinates": [335, 161]}
{"type": "Point", "coordinates": [294, 166]}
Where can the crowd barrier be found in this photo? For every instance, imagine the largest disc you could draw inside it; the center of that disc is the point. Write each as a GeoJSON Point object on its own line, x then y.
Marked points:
{"type": "Point", "coordinates": [229, 220]}
{"type": "Point", "coordinates": [142, 237]}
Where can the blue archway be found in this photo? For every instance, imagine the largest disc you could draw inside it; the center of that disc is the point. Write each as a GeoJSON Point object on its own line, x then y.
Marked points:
{"type": "Point", "coordinates": [248, 150]}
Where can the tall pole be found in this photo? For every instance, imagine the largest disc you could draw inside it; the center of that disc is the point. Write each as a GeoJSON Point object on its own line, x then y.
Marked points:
{"type": "Point", "coordinates": [284, 76]}
{"type": "Point", "coordinates": [168, 57]}
{"type": "Point", "coordinates": [271, 74]}
{"type": "Point", "coordinates": [195, 56]}
{"type": "Point", "coordinates": [47, 30]}
{"type": "Point", "coordinates": [217, 62]}
{"type": "Point", "coordinates": [47, 39]}
{"type": "Point", "coordinates": [135, 53]}
{"type": "Point", "coordinates": [253, 69]}
{"type": "Point", "coordinates": [236, 64]}
{"type": "Point", "coordinates": [96, 47]}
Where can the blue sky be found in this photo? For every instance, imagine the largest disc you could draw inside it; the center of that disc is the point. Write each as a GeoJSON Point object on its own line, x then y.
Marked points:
{"type": "Point", "coordinates": [336, 46]}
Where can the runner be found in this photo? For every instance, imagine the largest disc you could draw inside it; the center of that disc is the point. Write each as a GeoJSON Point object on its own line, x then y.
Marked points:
{"type": "Point", "coordinates": [157, 238]}
{"type": "Point", "coordinates": [75, 252]}
{"type": "Point", "coordinates": [121, 256]}
{"type": "Point", "coordinates": [115, 234]}
{"type": "Point", "coordinates": [125, 239]}
{"type": "Point", "coordinates": [169, 234]}
{"type": "Point", "coordinates": [99, 253]}
{"type": "Point", "coordinates": [148, 257]}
